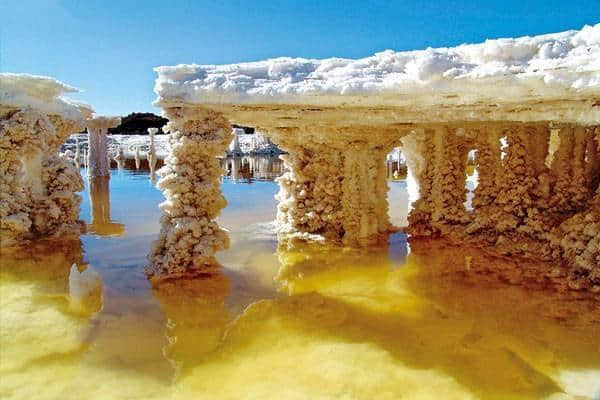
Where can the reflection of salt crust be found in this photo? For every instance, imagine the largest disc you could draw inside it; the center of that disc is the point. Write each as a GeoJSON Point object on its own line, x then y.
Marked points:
{"type": "Point", "coordinates": [37, 185]}
{"type": "Point", "coordinates": [190, 181]}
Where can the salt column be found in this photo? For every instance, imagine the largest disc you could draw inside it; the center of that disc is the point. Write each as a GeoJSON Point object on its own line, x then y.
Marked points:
{"type": "Point", "coordinates": [98, 162]}
{"type": "Point", "coordinates": [137, 157]}
{"type": "Point", "coordinates": [77, 153]}
{"type": "Point", "coordinates": [120, 157]}
{"type": "Point", "coordinates": [152, 151]}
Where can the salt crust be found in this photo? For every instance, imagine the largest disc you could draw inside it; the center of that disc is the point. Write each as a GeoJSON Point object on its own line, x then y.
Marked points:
{"type": "Point", "coordinates": [563, 65]}
{"type": "Point", "coordinates": [43, 94]}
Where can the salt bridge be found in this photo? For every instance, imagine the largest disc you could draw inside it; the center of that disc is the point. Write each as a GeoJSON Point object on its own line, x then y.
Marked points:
{"type": "Point", "coordinates": [528, 107]}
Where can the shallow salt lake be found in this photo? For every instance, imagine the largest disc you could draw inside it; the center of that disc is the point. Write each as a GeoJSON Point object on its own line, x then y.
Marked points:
{"type": "Point", "coordinates": [282, 321]}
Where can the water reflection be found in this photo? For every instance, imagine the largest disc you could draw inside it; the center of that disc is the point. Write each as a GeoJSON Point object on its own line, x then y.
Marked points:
{"type": "Point", "coordinates": [287, 319]}
{"type": "Point", "coordinates": [101, 223]}
{"type": "Point", "coordinates": [193, 307]}
{"type": "Point", "coordinates": [47, 306]}
{"type": "Point", "coordinates": [252, 167]}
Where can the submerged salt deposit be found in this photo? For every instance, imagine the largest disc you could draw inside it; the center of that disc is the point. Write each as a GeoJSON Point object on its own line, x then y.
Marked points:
{"type": "Point", "coordinates": [37, 184]}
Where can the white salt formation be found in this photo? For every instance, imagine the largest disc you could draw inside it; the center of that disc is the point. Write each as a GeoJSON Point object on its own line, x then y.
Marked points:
{"type": "Point", "coordinates": [234, 146]}
{"type": "Point", "coordinates": [77, 157]}
{"type": "Point", "coordinates": [151, 156]}
{"type": "Point", "coordinates": [98, 161]}
{"type": "Point", "coordinates": [190, 181]}
{"type": "Point", "coordinates": [120, 157]}
{"type": "Point", "coordinates": [504, 99]}
{"type": "Point", "coordinates": [137, 158]}
{"type": "Point", "coordinates": [37, 185]}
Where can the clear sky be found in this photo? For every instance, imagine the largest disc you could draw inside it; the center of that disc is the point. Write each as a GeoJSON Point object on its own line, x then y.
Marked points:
{"type": "Point", "coordinates": [108, 48]}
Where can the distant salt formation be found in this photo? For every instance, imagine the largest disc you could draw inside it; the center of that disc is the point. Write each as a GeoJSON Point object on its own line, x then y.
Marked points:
{"type": "Point", "coordinates": [151, 155]}
{"type": "Point", "coordinates": [527, 108]}
{"type": "Point", "coordinates": [38, 186]}
{"type": "Point", "coordinates": [137, 158]}
{"type": "Point", "coordinates": [120, 157]}
{"type": "Point", "coordinates": [190, 181]}
{"type": "Point", "coordinates": [98, 159]}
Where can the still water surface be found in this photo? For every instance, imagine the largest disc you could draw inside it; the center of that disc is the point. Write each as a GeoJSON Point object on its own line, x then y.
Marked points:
{"type": "Point", "coordinates": [281, 320]}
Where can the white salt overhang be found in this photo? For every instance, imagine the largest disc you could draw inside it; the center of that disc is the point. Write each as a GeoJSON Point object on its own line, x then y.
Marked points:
{"type": "Point", "coordinates": [43, 94]}
{"type": "Point", "coordinates": [553, 77]}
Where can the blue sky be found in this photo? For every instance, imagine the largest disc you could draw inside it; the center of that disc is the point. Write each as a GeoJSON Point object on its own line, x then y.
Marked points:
{"type": "Point", "coordinates": [108, 48]}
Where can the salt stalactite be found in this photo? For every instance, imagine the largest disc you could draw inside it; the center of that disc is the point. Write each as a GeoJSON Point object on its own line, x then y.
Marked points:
{"type": "Point", "coordinates": [98, 161]}
{"type": "Point", "coordinates": [85, 158]}
{"type": "Point", "coordinates": [101, 223]}
{"type": "Point", "coordinates": [137, 157]}
{"type": "Point", "coordinates": [190, 181]}
{"type": "Point", "coordinates": [151, 156]}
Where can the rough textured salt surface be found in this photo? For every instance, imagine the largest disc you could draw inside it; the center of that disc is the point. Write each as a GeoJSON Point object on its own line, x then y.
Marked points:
{"type": "Point", "coordinates": [38, 186]}
{"type": "Point", "coordinates": [41, 93]}
{"type": "Point", "coordinates": [190, 181]}
{"type": "Point", "coordinates": [560, 65]}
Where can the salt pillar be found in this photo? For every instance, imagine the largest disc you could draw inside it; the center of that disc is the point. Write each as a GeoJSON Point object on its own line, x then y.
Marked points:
{"type": "Point", "coordinates": [98, 162]}
{"type": "Point", "coordinates": [190, 181]}
{"type": "Point", "coordinates": [137, 157]}
{"type": "Point", "coordinates": [120, 157]}
{"type": "Point", "coordinates": [234, 146]}
{"type": "Point", "coordinates": [77, 157]}
{"type": "Point", "coordinates": [340, 194]}
{"type": "Point", "coordinates": [489, 165]}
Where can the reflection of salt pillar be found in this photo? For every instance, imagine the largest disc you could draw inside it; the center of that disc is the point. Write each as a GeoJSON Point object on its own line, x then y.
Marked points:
{"type": "Point", "coordinates": [98, 162]}
{"type": "Point", "coordinates": [85, 290]}
{"type": "Point", "coordinates": [137, 157]}
{"type": "Point", "coordinates": [190, 236]}
{"type": "Point", "coordinates": [195, 310]}
{"type": "Point", "coordinates": [151, 156]}
{"type": "Point", "coordinates": [101, 223]}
